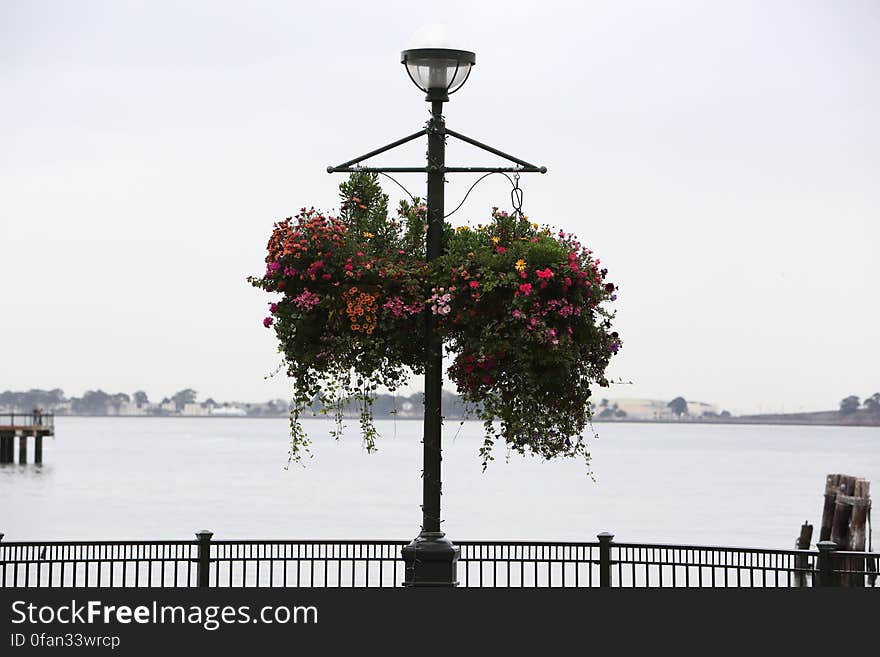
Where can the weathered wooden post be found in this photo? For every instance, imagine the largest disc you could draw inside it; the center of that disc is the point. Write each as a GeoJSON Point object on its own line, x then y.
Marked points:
{"type": "Point", "coordinates": [843, 511]}
{"type": "Point", "coordinates": [605, 539]}
{"type": "Point", "coordinates": [22, 449]}
{"type": "Point", "coordinates": [857, 522]}
{"type": "Point", "coordinates": [826, 565]}
{"type": "Point", "coordinates": [832, 482]}
{"type": "Point", "coordinates": [203, 572]}
{"type": "Point", "coordinates": [38, 447]}
{"type": "Point", "coordinates": [801, 561]}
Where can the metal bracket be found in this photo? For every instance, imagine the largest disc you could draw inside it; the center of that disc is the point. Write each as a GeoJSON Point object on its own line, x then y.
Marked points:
{"type": "Point", "coordinates": [354, 164]}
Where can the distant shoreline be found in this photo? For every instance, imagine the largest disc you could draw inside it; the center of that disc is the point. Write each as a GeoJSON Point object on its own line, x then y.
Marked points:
{"type": "Point", "coordinates": [821, 418]}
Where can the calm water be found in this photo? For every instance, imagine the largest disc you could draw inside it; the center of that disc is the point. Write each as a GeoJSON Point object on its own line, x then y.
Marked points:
{"type": "Point", "coordinates": [167, 477]}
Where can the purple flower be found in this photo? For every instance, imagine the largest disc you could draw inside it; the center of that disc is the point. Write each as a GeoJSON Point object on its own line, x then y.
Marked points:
{"type": "Point", "coordinates": [614, 347]}
{"type": "Point", "coordinates": [267, 322]}
{"type": "Point", "coordinates": [273, 308]}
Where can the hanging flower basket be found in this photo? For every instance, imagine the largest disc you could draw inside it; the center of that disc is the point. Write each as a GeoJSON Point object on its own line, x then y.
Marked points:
{"type": "Point", "coordinates": [527, 331]}
{"type": "Point", "coordinates": [522, 311]}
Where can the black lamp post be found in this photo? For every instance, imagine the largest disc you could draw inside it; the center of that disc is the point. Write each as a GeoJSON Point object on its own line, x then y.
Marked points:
{"type": "Point", "coordinates": [431, 559]}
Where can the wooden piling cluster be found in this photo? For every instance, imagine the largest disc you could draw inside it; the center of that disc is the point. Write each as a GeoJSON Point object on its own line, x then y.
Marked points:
{"type": "Point", "coordinates": [845, 516]}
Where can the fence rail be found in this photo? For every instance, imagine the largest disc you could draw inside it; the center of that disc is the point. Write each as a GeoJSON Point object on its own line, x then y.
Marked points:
{"type": "Point", "coordinates": [205, 562]}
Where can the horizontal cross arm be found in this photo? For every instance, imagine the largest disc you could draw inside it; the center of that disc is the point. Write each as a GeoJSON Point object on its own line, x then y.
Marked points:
{"type": "Point", "coordinates": [528, 169]}
{"type": "Point", "coordinates": [346, 166]}
{"type": "Point", "coordinates": [495, 151]}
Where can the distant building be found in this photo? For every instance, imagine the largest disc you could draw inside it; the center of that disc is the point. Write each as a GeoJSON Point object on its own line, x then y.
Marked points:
{"type": "Point", "coordinates": [228, 411]}
{"type": "Point", "coordinates": [130, 408]}
{"type": "Point", "coordinates": [656, 409]}
{"type": "Point", "coordinates": [195, 409]}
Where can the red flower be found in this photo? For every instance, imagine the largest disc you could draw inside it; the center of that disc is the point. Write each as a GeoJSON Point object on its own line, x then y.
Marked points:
{"type": "Point", "coordinates": [525, 288]}
{"type": "Point", "coordinates": [474, 284]}
{"type": "Point", "coordinates": [544, 274]}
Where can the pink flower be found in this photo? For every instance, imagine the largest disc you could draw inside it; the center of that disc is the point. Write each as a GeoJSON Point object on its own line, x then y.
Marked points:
{"type": "Point", "coordinates": [267, 322]}
{"type": "Point", "coordinates": [525, 288]}
{"type": "Point", "coordinates": [474, 284]}
{"type": "Point", "coordinates": [307, 300]}
{"type": "Point", "coordinates": [517, 314]}
{"type": "Point", "coordinates": [501, 249]}
{"type": "Point", "coordinates": [544, 275]}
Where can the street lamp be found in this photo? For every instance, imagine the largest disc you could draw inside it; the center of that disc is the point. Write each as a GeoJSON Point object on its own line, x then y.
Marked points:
{"type": "Point", "coordinates": [431, 559]}
{"type": "Point", "coordinates": [438, 71]}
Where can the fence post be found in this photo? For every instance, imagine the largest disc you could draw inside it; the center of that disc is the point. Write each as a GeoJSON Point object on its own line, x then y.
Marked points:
{"type": "Point", "coordinates": [204, 562]}
{"type": "Point", "coordinates": [825, 565]}
{"type": "Point", "coordinates": [605, 539]}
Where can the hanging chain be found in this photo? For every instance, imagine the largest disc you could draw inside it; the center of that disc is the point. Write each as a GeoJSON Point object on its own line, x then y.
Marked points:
{"type": "Point", "coordinates": [516, 197]}
{"type": "Point", "coordinates": [516, 193]}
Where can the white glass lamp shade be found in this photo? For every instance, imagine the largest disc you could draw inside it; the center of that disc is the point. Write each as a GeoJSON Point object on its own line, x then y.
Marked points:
{"type": "Point", "coordinates": [438, 71]}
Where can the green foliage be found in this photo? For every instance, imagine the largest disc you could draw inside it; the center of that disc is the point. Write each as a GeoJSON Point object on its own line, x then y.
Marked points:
{"type": "Point", "coordinates": [521, 310]}
{"type": "Point", "coordinates": [678, 406]}
{"type": "Point", "coordinates": [528, 332]}
{"type": "Point", "coordinates": [352, 297]}
{"type": "Point", "coordinates": [849, 405]}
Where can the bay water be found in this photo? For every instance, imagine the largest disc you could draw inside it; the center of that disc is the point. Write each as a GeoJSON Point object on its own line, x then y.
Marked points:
{"type": "Point", "coordinates": [165, 478]}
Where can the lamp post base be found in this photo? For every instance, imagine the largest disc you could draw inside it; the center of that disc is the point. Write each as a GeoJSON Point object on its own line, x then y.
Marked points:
{"type": "Point", "coordinates": [431, 560]}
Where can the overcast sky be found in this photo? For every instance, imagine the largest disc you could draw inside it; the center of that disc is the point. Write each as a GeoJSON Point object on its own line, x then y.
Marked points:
{"type": "Point", "coordinates": [721, 158]}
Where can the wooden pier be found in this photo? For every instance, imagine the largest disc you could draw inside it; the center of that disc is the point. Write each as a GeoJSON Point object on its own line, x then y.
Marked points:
{"type": "Point", "coordinates": [24, 426]}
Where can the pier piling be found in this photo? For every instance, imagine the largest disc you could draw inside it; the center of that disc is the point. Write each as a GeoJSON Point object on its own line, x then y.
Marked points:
{"type": "Point", "coordinates": [6, 447]}
{"type": "Point", "coordinates": [36, 424]}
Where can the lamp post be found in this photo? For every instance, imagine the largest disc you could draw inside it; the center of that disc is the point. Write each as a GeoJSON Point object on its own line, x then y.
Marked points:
{"type": "Point", "coordinates": [431, 559]}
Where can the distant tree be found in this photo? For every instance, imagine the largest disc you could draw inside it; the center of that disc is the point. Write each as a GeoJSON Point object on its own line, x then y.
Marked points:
{"type": "Point", "coordinates": [678, 406]}
{"type": "Point", "coordinates": [34, 398]}
{"type": "Point", "coordinates": [93, 402]}
{"type": "Point", "coordinates": [725, 413]}
{"type": "Point", "coordinates": [849, 404]}
{"type": "Point", "coordinates": [183, 397]}
{"type": "Point", "coordinates": [872, 403]}
{"type": "Point", "coordinates": [606, 413]}
{"type": "Point", "coordinates": [603, 403]}
{"type": "Point", "coordinates": [141, 399]}
{"type": "Point", "coordinates": [118, 400]}
{"type": "Point", "coordinates": [619, 412]}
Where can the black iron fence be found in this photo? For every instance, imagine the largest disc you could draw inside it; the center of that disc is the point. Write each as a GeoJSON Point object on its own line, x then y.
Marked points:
{"type": "Point", "coordinates": [348, 563]}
